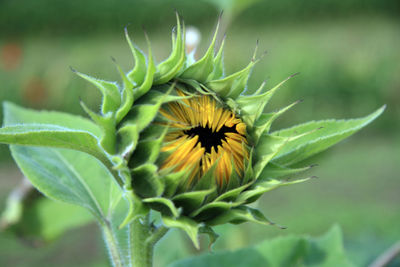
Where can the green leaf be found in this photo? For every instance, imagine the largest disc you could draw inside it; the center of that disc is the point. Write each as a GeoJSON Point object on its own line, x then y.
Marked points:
{"type": "Point", "coordinates": [15, 115]}
{"type": "Point", "coordinates": [53, 136]}
{"type": "Point", "coordinates": [61, 174]}
{"type": "Point", "coordinates": [69, 176]}
{"type": "Point", "coordinates": [308, 145]}
{"type": "Point", "coordinates": [292, 250]}
{"type": "Point", "coordinates": [41, 219]}
{"type": "Point", "coordinates": [324, 251]}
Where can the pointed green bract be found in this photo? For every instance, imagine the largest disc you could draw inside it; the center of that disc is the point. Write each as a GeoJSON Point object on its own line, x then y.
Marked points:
{"type": "Point", "coordinates": [109, 90]}
{"type": "Point", "coordinates": [218, 64]}
{"type": "Point", "coordinates": [146, 182]}
{"type": "Point", "coordinates": [138, 73]}
{"type": "Point", "coordinates": [202, 68]}
{"type": "Point", "coordinates": [233, 85]}
{"type": "Point", "coordinates": [188, 225]}
{"type": "Point", "coordinates": [144, 87]}
{"type": "Point", "coordinates": [169, 68]}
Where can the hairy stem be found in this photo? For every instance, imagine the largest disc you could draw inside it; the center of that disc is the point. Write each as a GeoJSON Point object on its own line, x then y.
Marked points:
{"type": "Point", "coordinates": [112, 246]}
{"type": "Point", "coordinates": [141, 251]}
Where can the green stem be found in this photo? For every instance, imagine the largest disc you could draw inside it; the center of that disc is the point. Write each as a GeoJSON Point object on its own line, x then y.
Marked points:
{"type": "Point", "coordinates": [143, 239]}
{"type": "Point", "coordinates": [138, 252]}
{"type": "Point", "coordinates": [112, 246]}
{"type": "Point", "coordinates": [141, 252]}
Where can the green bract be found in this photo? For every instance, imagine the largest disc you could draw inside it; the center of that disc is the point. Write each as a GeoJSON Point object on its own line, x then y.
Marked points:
{"type": "Point", "coordinates": [116, 155]}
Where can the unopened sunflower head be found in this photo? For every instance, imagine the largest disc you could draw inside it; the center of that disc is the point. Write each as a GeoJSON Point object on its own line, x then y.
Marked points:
{"type": "Point", "coordinates": [190, 143]}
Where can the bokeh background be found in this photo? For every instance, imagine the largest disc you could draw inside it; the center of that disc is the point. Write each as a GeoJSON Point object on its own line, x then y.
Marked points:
{"type": "Point", "coordinates": [348, 54]}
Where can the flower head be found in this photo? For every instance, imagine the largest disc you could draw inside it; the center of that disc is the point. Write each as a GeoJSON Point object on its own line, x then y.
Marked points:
{"type": "Point", "coordinates": [204, 134]}
{"type": "Point", "coordinates": [188, 142]}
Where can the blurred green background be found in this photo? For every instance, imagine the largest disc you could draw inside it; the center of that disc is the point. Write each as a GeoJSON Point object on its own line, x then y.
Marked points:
{"type": "Point", "coordinates": [346, 51]}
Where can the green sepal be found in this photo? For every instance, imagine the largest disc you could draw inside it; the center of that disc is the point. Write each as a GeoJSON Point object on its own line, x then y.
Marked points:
{"type": "Point", "coordinates": [155, 96]}
{"type": "Point", "coordinates": [144, 87]}
{"type": "Point", "coordinates": [273, 170]}
{"type": "Point", "coordinates": [212, 235]}
{"type": "Point", "coordinates": [240, 215]}
{"type": "Point", "coordinates": [110, 91]}
{"type": "Point", "coordinates": [189, 226]}
{"type": "Point", "coordinates": [107, 125]}
{"type": "Point", "coordinates": [218, 71]}
{"type": "Point", "coordinates": [172, 180]}
{"type": "Point", "coordinates": [126, 83]}
{"type": "Point", "coordinates": [265, 120]}
{"type": "Point", "coordinates": [270, 146]}
{"type": "Point", "coordinates": [147, 150]}
{"type": "Point", "coordinates": [234, 180]}
{"type": "Point", "coordinates": [212, 209]}
{"type": "Point", "coordinates": [145, 181]}
{"type": "Point", "coordinates": [233, 85]}
{"type": "Point", "coordinates": [169, 68]}
{"type": "Point", "coordinates": [127, 95]}
{"type": "Point", "coordinates": [329, 133]}
{"type": "Point", "coordinates": [267, 148]}
{"type": "Point", "coordinates": [164, 205]}
{"type": "Point", "coordinates": [208, 180]}
{"type": "Point", "coordinates": [253, 105]}
{"type": "Point", "coordinates": [127, 102]}
{"type": "Point", "coordinates": [202, 68]}
{"type": "Point", "coordinates": [143, 114]}
{"type": "Point", "coordinates": [191, 200]}
{"type": "Point", "coordinates": [231, 195]}
{"type": "Point", "coordinates": [138, 73]}
{"type": "Point", "coordinates": [248, 175]}
{"type": "Point", "coordinates": [128, 136]}
{"type": "Point", "coordinates": [262, 186]}
{"type": "Point", "coordinates": [136, 209]}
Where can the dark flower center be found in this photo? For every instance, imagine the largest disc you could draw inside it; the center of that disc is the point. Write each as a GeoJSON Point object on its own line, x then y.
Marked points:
{"type": "Point", "coordinates": [209, 138]}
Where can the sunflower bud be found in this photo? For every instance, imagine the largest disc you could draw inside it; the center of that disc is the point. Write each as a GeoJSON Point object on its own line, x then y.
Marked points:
{"type": "Point", "coordinates": [191, 145]}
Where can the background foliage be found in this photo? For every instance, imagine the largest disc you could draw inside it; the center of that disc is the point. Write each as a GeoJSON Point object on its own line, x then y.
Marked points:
{"type": "Point", "coordinates": [346, 51]}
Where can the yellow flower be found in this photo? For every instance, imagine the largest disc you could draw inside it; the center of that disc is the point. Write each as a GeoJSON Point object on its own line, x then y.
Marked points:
{"type": "Point", "coordinates": [204, 133]}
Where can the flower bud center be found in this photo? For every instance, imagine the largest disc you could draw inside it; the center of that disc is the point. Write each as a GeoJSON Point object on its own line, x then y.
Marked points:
{"type": "Point", "coordinates": [209, 138]}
